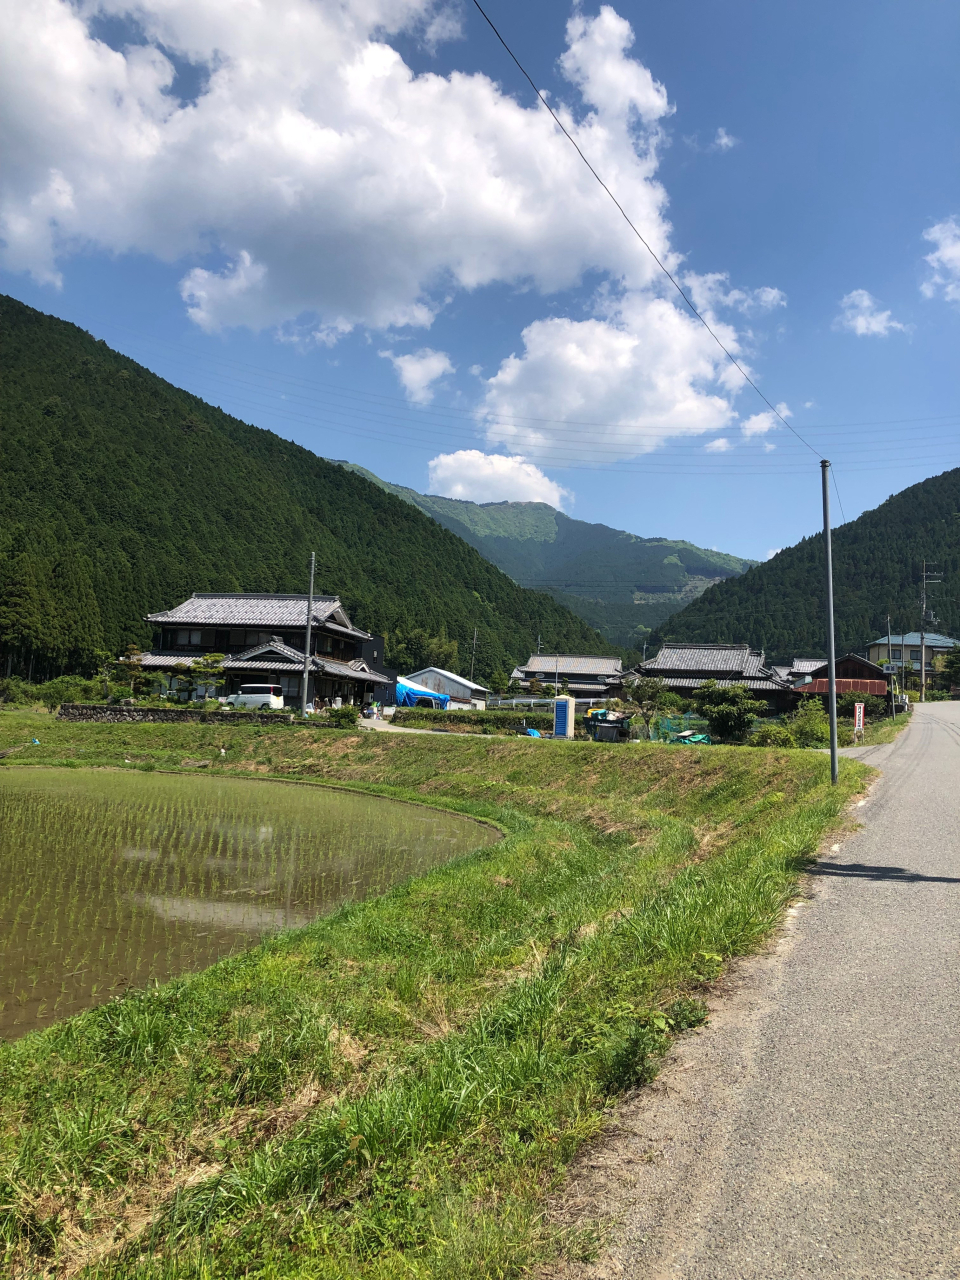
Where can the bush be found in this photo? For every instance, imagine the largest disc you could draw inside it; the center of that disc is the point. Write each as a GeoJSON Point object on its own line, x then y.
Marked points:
{"type": "Point", "coordinates": [773, 735]}
{"type": "Point", "coordinates": [728, 710]}
{"type": "Point", "coordinates": [493, 721]}
{"type": "Point", "coordinates": [937, 695]}
{"type": "Point", "coordinates": [874, 708]}
{"type": "Point", "coordinates": [16, 690]}
{"type": "Point", "coordinates": [342, 718]}
{"type": "Point", "coordinates": [809, 725]}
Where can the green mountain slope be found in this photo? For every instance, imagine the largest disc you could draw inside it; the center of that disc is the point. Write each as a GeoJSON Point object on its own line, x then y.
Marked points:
{"type": "Point", "coordinates": [621, 584]}
{"type": "Point", "coordinates": [121, 494]}
{"type": "Point", "coordinates": [877, 559]}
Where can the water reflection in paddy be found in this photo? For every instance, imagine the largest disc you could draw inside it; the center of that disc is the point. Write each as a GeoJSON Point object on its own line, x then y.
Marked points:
{"type": "Point", "coordinates": [111, 880]}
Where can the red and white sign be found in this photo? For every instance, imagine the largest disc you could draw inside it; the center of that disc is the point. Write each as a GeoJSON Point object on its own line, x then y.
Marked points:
{"type": "Point", "coordinates": [858, 717]}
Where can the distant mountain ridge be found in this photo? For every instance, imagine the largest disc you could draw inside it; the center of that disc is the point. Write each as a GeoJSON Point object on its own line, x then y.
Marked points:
{"type": "Point", "coordinates": [622, 584]}
{"type": "Point", "coordinates": [779, 606]}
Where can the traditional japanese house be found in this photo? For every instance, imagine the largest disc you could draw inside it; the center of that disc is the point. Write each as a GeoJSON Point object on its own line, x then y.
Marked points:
{"type": "Point", "coordinates": [587, 676]}
{"type": "Point", "coordinates": [263, 638]}
{"type": "Point", "coordinates": [683, 668]}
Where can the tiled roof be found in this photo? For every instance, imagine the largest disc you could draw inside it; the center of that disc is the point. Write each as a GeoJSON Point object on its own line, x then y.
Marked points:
{"type": "Point", "coordinates": [210, 609]}
{"type": "Point", "coordinates": [290, 660]}
{"type": "Point", "coordinates": [766, 684]}
{"type": "Point", "coordinates": [802, 665]}
{"type": "Point", "coordinates": [738, 659]}
{"type": "Point", "coordinates": [572, 664]}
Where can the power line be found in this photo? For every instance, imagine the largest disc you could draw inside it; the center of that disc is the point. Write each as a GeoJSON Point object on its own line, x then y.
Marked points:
{"type": "Point", "coordinates": [626, 217]}
{"type": "Point", "coordinates": [207, 362]}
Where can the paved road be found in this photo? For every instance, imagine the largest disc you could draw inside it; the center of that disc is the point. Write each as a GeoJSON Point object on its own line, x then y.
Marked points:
{"type": "Point", "coordinates": [812, 1129]}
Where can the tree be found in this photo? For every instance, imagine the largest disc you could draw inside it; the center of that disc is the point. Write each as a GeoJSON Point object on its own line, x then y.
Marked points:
{"type": "Point", "coordinates": [499, 681]}
{"type": "Point", "coordinates": [951, 668]}
{"type": "Point", "coordinates": [649, 694]}
{"type": "Point", "coordinates": [514, 689]}
{"type": "Point", "coordinates": [207, 673]}
{"type": "Point", "coordinates": [728, 710]}
{"type": "Point", "coordinates": [130, 669]}
{"type": "Point", "coordinates": [535, 688]}
{"type": "Point", "coordinates": [564, 687]}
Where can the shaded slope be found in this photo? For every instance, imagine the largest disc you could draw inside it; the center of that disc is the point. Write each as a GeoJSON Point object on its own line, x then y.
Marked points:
{"type": "Point", "coordinates": [121, 494]}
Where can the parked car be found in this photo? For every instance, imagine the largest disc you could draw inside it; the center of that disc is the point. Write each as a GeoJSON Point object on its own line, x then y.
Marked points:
{"type": "Point", "coordinates": [257, 697]}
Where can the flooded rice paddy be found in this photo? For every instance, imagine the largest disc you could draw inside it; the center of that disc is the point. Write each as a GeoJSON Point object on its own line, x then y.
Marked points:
{"type": "Point", "coordinates": [112, 880]}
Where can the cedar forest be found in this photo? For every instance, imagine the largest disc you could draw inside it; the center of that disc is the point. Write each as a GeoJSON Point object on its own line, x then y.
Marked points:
{"type": "Point", "coordinates": [121, 494]}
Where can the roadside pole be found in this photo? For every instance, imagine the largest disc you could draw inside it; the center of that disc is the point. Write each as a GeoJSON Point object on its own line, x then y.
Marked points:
{"type": "Point", "coordinates": [923, 623]}
{"type": "Point", "coordinates": [893, 678]}
{"type": "Point", "coordinates": [306, 647]}
{"type": "Point", "coordinates": [831, 645]}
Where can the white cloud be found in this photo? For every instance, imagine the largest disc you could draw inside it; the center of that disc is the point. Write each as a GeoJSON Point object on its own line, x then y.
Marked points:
{"type": "Point", "coordinates": [724, 141]}
{"type": "Point", "coordinates": [859, 314]}
{"type": "Point", "coordinates": [774, 551]}
{"type": "Point", "coordinates": [720, 445]}
{"type": "Point", "coordinates": [644, 373]}
{"type": "Point", "coordinates": [708, 292]}
{"type": "Point", "coordinates": [944, 261]}
{"type": "Point", "coordinates": [760, 423]}
{"type": "Point", "coordinates": [493, 477]}
{"type": "Point", "coordinates": [317, 183]}
{"type": "Point", "coordinates": [419, 371]}
{"type": "Point", "coordinates": [359, 191]}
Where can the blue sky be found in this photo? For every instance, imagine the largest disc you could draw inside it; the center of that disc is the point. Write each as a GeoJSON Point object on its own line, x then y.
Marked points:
{"type": "Point", "coordinates": [396, 259]}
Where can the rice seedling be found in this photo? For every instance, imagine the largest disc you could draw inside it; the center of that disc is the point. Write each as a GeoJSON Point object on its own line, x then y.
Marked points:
{"type": "Point", "coordinates": [112, 880]}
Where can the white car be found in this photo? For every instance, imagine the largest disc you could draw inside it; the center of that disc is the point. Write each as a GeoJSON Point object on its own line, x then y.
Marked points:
{"type": "Point", "coordinates": [257, 697]}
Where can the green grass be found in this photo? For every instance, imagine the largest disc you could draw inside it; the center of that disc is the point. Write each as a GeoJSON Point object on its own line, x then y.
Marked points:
{"type": "Point", "coordinates": [394, 1090]}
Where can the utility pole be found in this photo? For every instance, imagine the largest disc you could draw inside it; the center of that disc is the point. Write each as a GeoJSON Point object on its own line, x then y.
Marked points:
{"type": "Point", "coordinates": [923, 622]}
{"type": "Point", "coordinates": [306, 647]}
{"type": "Point", "coordinates": [474, 656]}
{"type": "Point", "coordinates": [931, 576]}
{"type": "Point", "coordinates": [893, 678]}
{"type": "Point", "coordinates": [831, 644]}
{"type": "Point", "coordinates": [539, 644]}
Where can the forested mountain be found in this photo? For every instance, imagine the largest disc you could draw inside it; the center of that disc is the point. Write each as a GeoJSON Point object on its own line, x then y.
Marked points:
{"type": "Point", "coordinates": [121, 494]}
{"type": "Point", "coordinates": [621, 584]}
{"type": "Point", "coordinates": [877, 560]}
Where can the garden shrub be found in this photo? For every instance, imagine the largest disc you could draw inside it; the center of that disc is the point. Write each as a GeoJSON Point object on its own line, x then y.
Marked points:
{"type": "Point", "coordinates": [773, 735]}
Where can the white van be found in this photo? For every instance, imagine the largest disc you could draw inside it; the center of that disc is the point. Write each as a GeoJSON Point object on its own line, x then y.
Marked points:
{"type": "Point", "coordinates": [257, 697]}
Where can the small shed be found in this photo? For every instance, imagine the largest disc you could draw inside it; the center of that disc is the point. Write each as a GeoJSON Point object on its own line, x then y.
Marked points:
{"type": "Point", "coordinates": [854, 675]}
{"type": "Point", "coordinates": [463, 693]}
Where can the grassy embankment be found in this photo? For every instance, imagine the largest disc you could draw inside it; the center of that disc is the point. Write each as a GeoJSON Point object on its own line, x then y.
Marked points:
{"type": "Point", "coordinates": [392, 1091]}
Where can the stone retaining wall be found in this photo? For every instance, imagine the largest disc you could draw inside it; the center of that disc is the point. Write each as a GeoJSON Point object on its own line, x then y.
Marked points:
{"type": "Point", "coordinates": [102, 714]}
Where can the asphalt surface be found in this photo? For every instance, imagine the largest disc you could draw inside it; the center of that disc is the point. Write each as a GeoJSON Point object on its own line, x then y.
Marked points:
{"type": "Point", "coordinates": [812, 1128]}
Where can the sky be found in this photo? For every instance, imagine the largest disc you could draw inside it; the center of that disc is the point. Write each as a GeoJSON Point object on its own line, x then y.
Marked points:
{"type": "Point", "coordinates": [353, 223]}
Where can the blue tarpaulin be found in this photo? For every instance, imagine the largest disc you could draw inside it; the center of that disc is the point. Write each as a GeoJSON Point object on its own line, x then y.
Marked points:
{"type": "Point", "coordinates": [409, 694]}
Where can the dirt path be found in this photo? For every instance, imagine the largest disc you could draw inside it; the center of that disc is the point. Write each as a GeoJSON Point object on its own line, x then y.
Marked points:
{"type": "Point", "coordinates": [812, 1129]}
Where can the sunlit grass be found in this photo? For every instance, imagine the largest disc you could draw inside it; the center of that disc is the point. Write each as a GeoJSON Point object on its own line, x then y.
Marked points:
{"type": "Point", "coordinates": [392, 1090]}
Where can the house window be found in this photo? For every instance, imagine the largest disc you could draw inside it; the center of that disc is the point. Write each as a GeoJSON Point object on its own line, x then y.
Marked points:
{"type": "Point", "coordinates": [897, 654]}
{"type": "Point", "coordinates": [914, 655]}
{"type": "Point", "coordinates": [188, 637]}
